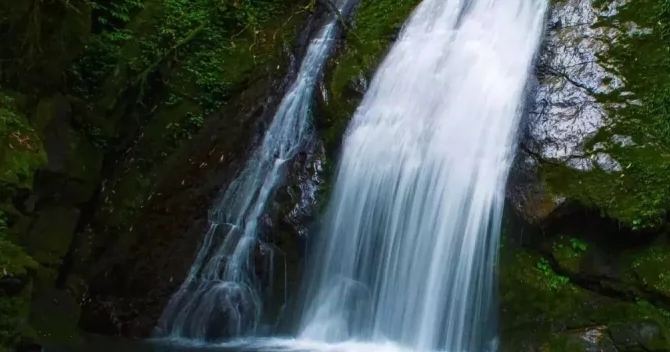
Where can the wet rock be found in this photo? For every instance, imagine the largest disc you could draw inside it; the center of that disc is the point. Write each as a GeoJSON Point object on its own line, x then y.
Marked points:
{"type": "Point", "coordinates": [565, 111]}
{"type": "Point", "coordinates": [645, 336]}
{"type": "Point", "coordinates": [11, 285]}
{"type": "Point", "coordinates": [588, 339]}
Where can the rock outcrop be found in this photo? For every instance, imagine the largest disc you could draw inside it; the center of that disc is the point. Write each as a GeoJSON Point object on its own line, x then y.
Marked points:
{"type": "Point", "coordinates": [596, 134]}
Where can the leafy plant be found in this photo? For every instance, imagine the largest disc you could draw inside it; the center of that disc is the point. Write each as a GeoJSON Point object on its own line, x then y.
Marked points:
{"type": "Point", "coordinates": [116, 12]}
{"type": "Point", "coordinates": [554, 281]}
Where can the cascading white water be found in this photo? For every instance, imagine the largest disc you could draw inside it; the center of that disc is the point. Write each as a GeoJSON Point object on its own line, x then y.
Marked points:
{"type": "Point", "coordinates": [409, 243]}
{"type": "Point", "coordinates": [220, 296]}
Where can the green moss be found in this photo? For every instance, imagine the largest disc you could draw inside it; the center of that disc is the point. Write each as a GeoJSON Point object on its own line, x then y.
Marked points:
{"type": "Point", "coordinates": [14, 262]}
{"type": "Point", "coordinates": [531, 293]}
{"type": "Point", "coordinates": [21, 154]}
{"type": "Point", "coordinates": [568, 252]}
{"type": "Point", "coordinates": [49, 239]}
{"type": "Point", "coordinates": [14, 313]}
{"type": "Point", "coordinates": [543, 309]}
{"type": "Point", "coordinates": [638, 195]}
{"type": "Point", "coordinates": [375, 24]}
{"type": "Point", "coordinates": [651, 267]}
{"type": "Point", "coordinates": [178, 63]}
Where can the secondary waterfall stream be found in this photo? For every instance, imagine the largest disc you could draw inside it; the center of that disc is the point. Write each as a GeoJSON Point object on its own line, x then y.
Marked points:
{"type": "Point", "coordinates": [220, 296]}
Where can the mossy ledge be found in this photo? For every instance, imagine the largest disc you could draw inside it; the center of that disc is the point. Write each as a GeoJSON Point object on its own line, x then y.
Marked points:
{"type": "Point", "coordinates": [634, 131]}
{"type": "Point", "coordinates": [568, 287]}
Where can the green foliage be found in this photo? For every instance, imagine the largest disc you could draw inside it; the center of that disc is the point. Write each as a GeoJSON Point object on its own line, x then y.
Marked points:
{"type": "Point", "coordinates": [568, 252]}
{"type": "Point", "coordinates": [213, 63]}
{"type": "Point", "coordinates": [175, 63]}
{"type": "Point", "coordinates": [116, 11]}
{"type": "Point", "coordinates": [21, 151]}
{"type": "Point", "coordinates": [99, 60]}
{"type": "Point", "coordinates": [175, 50]}
{"type": "Point", "coordinates": [553, 281]}
{"type": "Point", "coordinates": [184, 130]}
{"type": "Point", "coordinates": [13, 260]}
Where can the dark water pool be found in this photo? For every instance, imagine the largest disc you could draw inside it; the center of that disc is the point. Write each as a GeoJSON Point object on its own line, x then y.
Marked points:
{"type": "Point", "coordinates": [110, 344]}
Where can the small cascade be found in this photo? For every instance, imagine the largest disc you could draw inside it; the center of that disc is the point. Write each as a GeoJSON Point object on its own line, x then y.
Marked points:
{"type": "Point", "coordinates": [220, 296]}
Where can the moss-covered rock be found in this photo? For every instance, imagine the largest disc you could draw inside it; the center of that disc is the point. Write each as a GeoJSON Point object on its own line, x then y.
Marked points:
{"type": "Point", "coordinates": [542, 310]}
{"type": "Point", "coordinates": [375, 26]}
{"type": "Point", "coordinates": [599, 129]}
{"type": "Point", "coordinates": [16, 272]}
{"type": "Point", "coordinates": [22, 152]}
{"type": "Point", "coordinates": [649, 267]}
{"type": "Point", "coordinates": [582, 284]}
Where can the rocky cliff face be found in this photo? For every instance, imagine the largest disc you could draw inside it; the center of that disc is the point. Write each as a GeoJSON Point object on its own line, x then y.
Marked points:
{"type": "Point", "coordinates": [120, 121]}
{"type": "Point", "coordinates": [596, 135]}
{"type": "Point", "coordinates": [589, 274]}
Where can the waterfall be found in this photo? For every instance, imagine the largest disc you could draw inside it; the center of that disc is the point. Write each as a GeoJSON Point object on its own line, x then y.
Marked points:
{"type": "Point", "coordinates": [408, 248]}
{"type": "Point", "coordinates": [220, 296]}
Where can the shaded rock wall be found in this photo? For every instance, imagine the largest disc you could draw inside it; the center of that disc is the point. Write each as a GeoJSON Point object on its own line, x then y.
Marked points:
{"type": "Point", "coordinates": [596, 135]}
{"type": "Point", "coordinates": [118, 122]}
